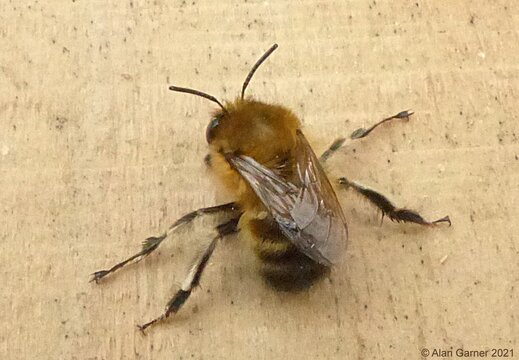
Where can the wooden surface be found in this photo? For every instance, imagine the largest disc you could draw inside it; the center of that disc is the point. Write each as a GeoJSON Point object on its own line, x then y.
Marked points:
{"type": "Point", "coordinates": [96, 155]}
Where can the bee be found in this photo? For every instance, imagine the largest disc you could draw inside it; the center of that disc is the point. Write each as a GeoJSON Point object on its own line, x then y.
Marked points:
{"type": "Point", "coordinates": [284, 202]}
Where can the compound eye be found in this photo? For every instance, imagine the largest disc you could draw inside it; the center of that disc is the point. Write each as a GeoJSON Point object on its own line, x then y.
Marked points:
{"type": "Point", "coordinates": [209, 133]}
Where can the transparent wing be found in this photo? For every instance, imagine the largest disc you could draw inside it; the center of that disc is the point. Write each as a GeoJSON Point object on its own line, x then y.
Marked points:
{"type": "Point", "coordinates": [305, 206]}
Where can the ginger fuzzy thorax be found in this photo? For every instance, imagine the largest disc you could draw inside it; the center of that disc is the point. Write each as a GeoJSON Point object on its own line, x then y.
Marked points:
{"type": "Point", "coordinates": [264, 132]}
{"type": "Point", "coordinates": [253, 128]}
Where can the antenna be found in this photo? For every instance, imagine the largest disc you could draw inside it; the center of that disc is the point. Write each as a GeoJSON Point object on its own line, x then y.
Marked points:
{"type": "Point", "coordinates": [256, 66]}
{"type": "Point", "coordinates": [198, 93]}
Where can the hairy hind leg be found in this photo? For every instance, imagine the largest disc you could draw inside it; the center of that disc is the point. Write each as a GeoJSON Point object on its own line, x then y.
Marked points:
{"type": "Point", "coordinates": [152, 243]}
{"type": "Point", "coordinates": [388, 208]}
{"type": "Point", "coordinates": [194, 275]}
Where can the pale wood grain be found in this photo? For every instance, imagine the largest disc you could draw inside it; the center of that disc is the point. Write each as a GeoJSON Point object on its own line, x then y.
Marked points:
{"type": "Point", "coordinates": [96, 154]}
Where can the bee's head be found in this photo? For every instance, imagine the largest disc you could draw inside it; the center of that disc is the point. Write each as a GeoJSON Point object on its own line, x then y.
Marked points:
{"type": "Point", "coordinates": [225, 114]}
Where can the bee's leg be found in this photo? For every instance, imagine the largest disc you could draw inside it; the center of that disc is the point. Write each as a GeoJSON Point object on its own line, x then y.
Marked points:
{"type": "Point", "coordinates": [360, 133]}
{"type": "Point", "coordinates": [336, 145]}
{"type": "Point", "coordinates": [388, 208]}
{"type": "Point", "coordinates": [152, 243]}
{"type": "Point", "coordinates": [195, 273]}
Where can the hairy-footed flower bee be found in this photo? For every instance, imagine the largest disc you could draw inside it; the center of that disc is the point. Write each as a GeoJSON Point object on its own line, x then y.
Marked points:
{"type": "Point", "coordinates": [284, 201]}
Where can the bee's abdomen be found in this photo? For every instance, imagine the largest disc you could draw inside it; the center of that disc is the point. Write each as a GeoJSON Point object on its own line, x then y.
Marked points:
{"type": "Point", "coordinates": [283, 266]}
